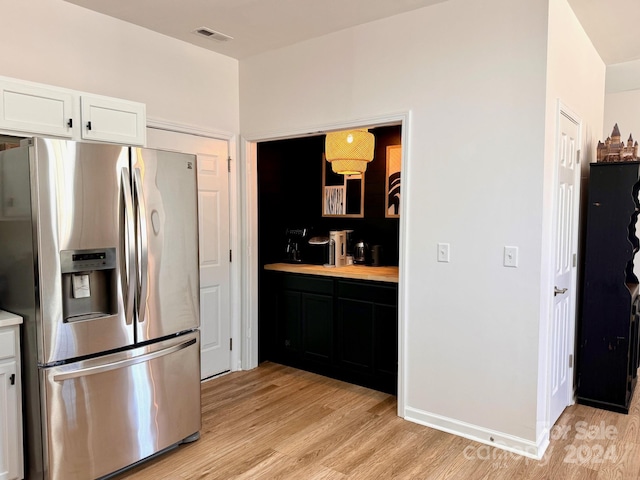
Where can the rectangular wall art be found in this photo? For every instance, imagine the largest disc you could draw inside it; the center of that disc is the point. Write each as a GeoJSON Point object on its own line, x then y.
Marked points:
{"type": "Point", "coordinates": [394, 168]}
{"type": "Point", "coordinates": [334, 200]}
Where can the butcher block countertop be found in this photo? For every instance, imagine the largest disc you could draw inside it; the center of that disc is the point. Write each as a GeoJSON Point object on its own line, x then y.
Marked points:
{"type": "Point", "coordinates": [8, 319]}
{"type": "Point", "coordinates": [358, 272]}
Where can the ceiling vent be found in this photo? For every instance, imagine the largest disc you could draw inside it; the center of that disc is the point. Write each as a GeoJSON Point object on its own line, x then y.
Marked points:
{"type": "Point", "coordinates": [212, 34]}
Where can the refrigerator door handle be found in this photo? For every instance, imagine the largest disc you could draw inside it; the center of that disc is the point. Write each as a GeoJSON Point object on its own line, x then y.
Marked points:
{"type": "Point", "coordinates": [127, 255]}
{"type": "Point", "coordinates": [84, 372]}
{"type": "Point", "coordinates": [142, 242]}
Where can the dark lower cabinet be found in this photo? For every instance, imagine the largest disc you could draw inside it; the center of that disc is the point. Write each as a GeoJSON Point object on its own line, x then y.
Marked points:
{"type": "Point", "coordinates": [367, 331]}
{"type": "Point", "coordinates": [344, 329]}
{"type": "Point", "coordinates": [317, 327]}
{"type": "Point", "coordinates": [289, 324]}
{"type": "Point", "coordinates": [355, 326]}
{"type": "Point", "coordinates": [303, 318]}
{"type": "Point", "coordinates": [386, 344]}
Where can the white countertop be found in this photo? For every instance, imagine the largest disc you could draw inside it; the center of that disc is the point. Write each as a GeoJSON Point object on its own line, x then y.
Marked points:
{"type": "Point", "coordinates": [7, 319]}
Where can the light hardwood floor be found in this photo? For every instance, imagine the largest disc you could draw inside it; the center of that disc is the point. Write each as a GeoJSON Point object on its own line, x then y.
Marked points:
{"type": "Point", "coordinates": [276, 422]}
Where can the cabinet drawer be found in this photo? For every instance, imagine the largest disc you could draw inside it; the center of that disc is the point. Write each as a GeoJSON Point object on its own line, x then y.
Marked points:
{"type": "Point", "coordinates": [306, 283]}
{"type": "Point", "coordinates": [368, 292]}
{"type": "Point", "coordinates": [7, 343]}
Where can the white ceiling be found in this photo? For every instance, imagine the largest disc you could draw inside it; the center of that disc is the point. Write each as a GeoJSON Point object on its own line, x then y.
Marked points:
{"type": "Point", "coordinates": [255, 25]}
{"type": "Point", "coordinates": [261, 25]}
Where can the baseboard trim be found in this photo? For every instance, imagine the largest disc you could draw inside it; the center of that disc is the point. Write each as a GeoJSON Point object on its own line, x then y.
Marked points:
{"type": "Point", "coordinates": [510, 443]}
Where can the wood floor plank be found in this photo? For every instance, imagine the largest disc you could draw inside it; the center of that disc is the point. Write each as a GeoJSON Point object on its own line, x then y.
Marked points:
{"type": "Point", "coordinates": [623, 464]}
{"type": "Point", "coordinates": [374, 442]}
{"type": "Point", "coordinates": [283, 467]}
{"type": "Point", "coordinates": [276, 422]}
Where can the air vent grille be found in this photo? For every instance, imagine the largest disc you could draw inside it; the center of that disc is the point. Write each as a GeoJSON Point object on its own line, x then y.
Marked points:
{"type": "Point", "coordinates": [212, 34]}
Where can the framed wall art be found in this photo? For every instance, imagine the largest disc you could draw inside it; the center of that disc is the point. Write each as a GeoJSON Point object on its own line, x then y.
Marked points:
{"type": "Point", "coordinates": [394, 170]}
{"type": "Point", "coordinates": [342, 195]}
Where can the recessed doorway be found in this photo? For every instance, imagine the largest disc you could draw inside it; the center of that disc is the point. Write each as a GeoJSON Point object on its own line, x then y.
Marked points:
{"type": "Point", "coordinates": [289, 196]}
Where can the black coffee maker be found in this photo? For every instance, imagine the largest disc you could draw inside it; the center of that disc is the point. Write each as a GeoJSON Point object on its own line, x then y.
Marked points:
{"type": "Point", "coordinates": [296, 241]}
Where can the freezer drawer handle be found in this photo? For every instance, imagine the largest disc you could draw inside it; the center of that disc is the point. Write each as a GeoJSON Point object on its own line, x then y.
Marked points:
{"type": "Point", "coordinates": [122, 363]}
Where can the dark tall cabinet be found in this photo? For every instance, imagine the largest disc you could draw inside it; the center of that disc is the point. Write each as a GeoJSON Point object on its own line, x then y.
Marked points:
{"type": "Point", "coordinates": [608, 327]}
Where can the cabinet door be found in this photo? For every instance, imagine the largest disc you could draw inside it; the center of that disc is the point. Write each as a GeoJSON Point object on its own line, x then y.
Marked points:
{"type": "Point", "coordinates": [35, 110]}
{"type": "Point", "coordinates": [116, 121]}
{"type": "Point", "coordinates": [355, 335]}
{"type": "Point", "coordinates": [10, 422]}
{"type": "Point", "coordinates": [317, 326]}
{"type": "Point", "coordinates": [289, 322]}
{"type": "Point", "coordinates": [386, 342]}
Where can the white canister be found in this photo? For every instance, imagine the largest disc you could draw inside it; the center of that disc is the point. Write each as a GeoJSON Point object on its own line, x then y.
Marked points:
{"type": "Point", "coordinates": [338, 243]}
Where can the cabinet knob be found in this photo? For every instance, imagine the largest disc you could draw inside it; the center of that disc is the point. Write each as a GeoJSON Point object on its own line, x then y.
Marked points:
{"type": "Point", "coordinates": [70, 123]}
{"type": "Point", "coordinates": [89, 125]}
{"type": "Point", "coordinates": [12, 379]}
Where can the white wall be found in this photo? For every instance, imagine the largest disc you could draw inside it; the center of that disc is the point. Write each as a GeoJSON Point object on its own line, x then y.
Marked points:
{"type": "Point", "coordinates": [57, 43]}
{"type": "Point", "coordinates": [622, 100]}
{"type": "Point", "coordinates": [482, 83]}
{"type": "Point", "coordinates": [473, 75]}
{"type": "Point", "coordinates": [622, 108]}
{"type": "Point", "coordinates": [576, 76]}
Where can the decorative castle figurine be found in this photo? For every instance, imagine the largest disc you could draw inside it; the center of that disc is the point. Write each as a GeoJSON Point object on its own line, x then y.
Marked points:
{"type": "Point", "coordinates": [613, 150]}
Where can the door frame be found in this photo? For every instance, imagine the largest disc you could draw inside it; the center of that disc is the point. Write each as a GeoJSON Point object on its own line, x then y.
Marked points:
{"type": "Point", "coordinates": [235, 292]}
{"type": "Point", "coordinates": [562, 109]}
{"type": "Point", "coordinates": [249, 231]}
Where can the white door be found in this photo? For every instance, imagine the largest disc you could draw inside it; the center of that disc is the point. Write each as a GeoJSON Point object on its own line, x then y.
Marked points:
{"type": "Point", "coordinates": [563, 314]}
{"type": "Point", "coordinates": [213, 213]}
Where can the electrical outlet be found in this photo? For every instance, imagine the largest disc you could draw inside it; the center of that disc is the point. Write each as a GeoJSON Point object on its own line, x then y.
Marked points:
{"type": "Point", "coordinates": [510, 256]}
{"type": "Point", "coordinates": [443, 252]}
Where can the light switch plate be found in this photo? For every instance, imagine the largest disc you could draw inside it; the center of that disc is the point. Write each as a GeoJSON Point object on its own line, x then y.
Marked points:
{"type": "Point", "coordinates": [443, 252]}
{"type": "Point", "coordinates": [510, 256]}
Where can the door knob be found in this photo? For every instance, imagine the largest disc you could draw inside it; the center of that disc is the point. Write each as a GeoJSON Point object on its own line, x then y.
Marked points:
{"type": "Point", "coordinates": [558, 291]}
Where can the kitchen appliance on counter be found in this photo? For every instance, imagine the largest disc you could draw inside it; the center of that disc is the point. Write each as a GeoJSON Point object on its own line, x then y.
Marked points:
{"type": "Point", "coordinates": [361, 253]}
{"type": "Point", "coordinates": [337, 248]}
{"type": "Point", "coordinates": [318, 252]}
{"type": "Point", "coordinates": [377, 257]}
{"type": "Point", "coordinates": [349, 240]}
{"type": "Point", "coordinates": [296, 240]}
{"type": "Point", "coordinates": [100, 257]}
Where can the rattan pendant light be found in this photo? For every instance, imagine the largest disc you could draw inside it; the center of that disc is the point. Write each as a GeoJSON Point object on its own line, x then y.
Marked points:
{"type": "Point", "coordinates": [349, 151]}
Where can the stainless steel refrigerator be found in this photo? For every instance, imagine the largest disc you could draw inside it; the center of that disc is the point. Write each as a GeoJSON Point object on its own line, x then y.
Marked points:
{"type": "Point", "coordinates": [99, 254]}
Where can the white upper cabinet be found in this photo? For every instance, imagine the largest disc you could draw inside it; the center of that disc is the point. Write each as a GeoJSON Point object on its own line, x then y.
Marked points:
{"type": "Point", "coordinates": [35, 109]}
{"type": "Point", "coordinates": [29, 109]}
{"type": "Point", "coordinates": [111, 120]}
